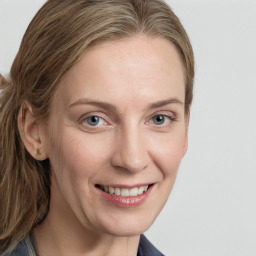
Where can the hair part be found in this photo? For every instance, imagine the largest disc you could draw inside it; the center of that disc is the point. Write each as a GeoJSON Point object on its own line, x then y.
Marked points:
{"type": "Point", "coordinates": [56, 39]}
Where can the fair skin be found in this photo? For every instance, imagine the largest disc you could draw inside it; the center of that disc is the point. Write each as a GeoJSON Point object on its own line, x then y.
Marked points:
{"type": "Point", "coordinates": [118, 121]}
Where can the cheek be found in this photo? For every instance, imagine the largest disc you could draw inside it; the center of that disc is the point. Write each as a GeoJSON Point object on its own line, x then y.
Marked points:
{"type": "Point", "coordinates": [80, 156]}
{"type": "Point", "coordinates": [168, 153]}
{"type": "Point", "coordinates": [74, 164]}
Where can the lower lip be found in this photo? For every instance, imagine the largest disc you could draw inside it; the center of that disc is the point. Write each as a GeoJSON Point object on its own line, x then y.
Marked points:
{"type": "Point", "coordinates": [126, 201]}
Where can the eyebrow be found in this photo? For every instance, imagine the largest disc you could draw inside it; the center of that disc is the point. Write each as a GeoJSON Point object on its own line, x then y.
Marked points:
{"type": "Point", "coordinates": [162, 103]}
{"type": "Point", "coordinates": [96, 103]}
{"type": "Point", "coordinates": [110, 107]}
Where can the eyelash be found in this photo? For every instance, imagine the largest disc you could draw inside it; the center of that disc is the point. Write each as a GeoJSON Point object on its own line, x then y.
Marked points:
{"type": "Point", "coordinates": [84, 120]}
{"type": "Point", "coordinates": [168, 117]}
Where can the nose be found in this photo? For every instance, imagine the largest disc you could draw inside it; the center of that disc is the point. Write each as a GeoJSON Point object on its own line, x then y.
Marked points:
{"type": "Point", "coordinates": [130, 151]}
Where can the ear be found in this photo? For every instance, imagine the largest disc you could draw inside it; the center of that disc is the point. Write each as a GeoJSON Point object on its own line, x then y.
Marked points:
{"type": "Point", "coordinates": [187, 119]}
{"type": "Point", "coordinates": [32, 132]}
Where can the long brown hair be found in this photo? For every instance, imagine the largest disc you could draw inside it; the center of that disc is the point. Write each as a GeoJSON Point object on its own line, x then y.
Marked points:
{"type": "Point", "coordinates": [57, 37]}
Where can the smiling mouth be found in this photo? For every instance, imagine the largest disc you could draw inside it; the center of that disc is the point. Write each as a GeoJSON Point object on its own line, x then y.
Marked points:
{"type": "Point", "coordinates": [125, 192]}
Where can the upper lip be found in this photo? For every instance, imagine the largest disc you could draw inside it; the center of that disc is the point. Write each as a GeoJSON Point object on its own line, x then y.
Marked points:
{"type": "Point", "coordinates": [125, 185]}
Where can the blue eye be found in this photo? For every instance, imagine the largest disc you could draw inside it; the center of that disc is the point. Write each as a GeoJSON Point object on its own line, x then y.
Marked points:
{"type": "Point", "coordinates": [94, 121]}
{"type": "Point", "coordinates": [161, 120]}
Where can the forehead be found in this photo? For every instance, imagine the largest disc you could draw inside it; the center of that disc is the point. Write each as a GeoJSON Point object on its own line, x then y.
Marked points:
{"type": "Point", "coordinates": [133, 67]}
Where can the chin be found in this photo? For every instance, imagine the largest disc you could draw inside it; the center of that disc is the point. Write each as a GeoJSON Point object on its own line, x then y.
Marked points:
{"type": "Point", "coordinates": [127, 225]}
{"type": "Point", "coordinates": [125, 231]}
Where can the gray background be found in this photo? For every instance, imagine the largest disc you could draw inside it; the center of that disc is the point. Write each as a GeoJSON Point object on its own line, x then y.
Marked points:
{"type": "Point", "coordinates": [212, 209]}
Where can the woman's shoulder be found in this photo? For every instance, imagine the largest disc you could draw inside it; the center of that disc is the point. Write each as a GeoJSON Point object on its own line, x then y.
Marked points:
{"type": "Point", "coordinates": [20, 250]}
{"type": "Point", "coordinates": [146, 248]}
{"type": "Point", "coordinates": [24, 248]}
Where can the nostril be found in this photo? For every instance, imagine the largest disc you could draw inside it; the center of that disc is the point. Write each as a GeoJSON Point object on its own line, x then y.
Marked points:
{"type": "Point", "coordinates": [130, 153]}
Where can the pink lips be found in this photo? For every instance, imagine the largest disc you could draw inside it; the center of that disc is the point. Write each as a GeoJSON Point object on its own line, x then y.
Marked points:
{"type": "Point", "coordinates": [126, 202]}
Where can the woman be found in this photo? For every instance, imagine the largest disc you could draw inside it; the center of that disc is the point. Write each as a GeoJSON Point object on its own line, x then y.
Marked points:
{"type": "Point", "coordinates": [93, 127]}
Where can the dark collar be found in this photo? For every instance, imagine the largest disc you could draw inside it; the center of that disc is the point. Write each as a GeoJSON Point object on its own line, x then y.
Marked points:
{"type": "Point", "coordinates": [146, 248]}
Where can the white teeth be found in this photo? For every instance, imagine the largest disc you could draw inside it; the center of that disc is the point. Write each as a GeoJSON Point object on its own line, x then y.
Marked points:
{"type": "Point", "coordinates": [117, 191]}
{"type": "Point", "coordinates": [111, 190]}
{"type": "Point", "coordinates": [134, 192]}
{"type": "Point", "coordinates": [125, 191]}
{"type": "Point", "coordinates": [141, 190]}
{"type": "Point", "coordinates": [145, 188]}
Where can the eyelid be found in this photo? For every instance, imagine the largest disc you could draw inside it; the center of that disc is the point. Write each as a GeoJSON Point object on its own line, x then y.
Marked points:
{"type": "Point", "coordinates": [83, 118]}
{"type": "Point", "coordinates": [168, 114]}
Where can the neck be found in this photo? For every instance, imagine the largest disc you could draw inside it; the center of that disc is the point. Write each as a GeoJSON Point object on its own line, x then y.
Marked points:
{"type": "Point", "coordinates": [61, 233]}
{"type": "Point", "coordinates": [50, 242]}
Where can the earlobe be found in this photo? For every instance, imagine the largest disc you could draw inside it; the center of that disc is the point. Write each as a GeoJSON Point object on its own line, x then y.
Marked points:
{"type": "Point", "coordinates": [31, 132]}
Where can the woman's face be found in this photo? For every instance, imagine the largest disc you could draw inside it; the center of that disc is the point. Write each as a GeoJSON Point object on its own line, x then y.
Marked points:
{"type": "Point", "coordinates": [117, 133]}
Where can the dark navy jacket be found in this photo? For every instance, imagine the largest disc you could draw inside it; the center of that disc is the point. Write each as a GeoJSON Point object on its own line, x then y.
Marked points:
{"type": "Point", "coordinates": [145, 249]}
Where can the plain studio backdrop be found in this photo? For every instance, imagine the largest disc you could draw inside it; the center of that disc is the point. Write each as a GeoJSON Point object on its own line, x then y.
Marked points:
{"type": "Point", "coordinates": [212, 208]}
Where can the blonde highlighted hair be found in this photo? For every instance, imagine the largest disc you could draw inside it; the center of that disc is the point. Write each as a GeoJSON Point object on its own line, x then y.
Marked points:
{"type": "Point", "coordinates": [57, 37]}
